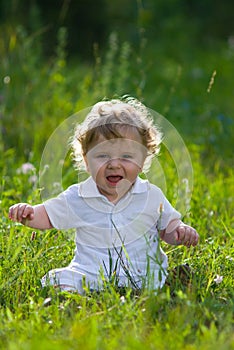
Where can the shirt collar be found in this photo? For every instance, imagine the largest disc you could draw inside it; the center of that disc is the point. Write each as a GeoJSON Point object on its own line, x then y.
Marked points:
{"type": "Point", "coordinates": [88, 188]}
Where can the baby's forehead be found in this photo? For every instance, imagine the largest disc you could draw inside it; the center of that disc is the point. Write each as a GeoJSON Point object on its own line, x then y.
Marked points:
{"type": "Point", "coordinates": [117, 142]}
{"type": "Point", "coordinates": [114, 136]}
{"type": "Point", "coordinates": [116, 145]}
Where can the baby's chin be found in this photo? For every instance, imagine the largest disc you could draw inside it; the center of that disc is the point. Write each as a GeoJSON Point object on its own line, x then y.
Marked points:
{"type": "Point", "coordinates": [122, 187]}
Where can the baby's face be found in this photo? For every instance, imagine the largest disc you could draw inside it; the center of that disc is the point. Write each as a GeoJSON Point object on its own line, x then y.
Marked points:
{"type": "Point", "coordinates": [114, 164]}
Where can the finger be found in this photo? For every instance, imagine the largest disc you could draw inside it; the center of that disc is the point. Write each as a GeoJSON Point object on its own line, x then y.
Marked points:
{"type": "Point", "coordinates": [188, 237]}
{"type": "Point", "coordinates": [10, 213]}
{"type": "Point", "coordinates": [176, 236]}
{"type": "Point", "coordinates": [196, 238]}
{"type": "Point", "coordinates": [13, 214]}
{"type": "Point", "coordinates": [21, 213]}
{"type": "Point", "coordinates": [192, 237]}
{"type": "Point", "coordinates": [27, 212]}
{"type": "Point", "coordinates": [184, 233]}
{"type": "Point", "coordinates": [181, 233]}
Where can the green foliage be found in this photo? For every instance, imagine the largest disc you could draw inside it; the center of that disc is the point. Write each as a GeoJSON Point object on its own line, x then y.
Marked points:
{"type": "Point", "coordinates": [36, 96]}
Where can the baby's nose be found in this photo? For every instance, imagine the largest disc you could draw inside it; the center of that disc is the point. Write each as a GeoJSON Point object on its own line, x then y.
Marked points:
{"type": "Point", "coordinates": [114, 163]}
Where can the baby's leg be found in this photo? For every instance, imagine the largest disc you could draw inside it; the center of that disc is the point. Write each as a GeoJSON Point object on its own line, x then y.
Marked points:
{"type": "Point", "coordinates": [65, 279]}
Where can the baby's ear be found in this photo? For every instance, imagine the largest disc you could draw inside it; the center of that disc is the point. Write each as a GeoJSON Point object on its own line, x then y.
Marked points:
{"type": "Point", "coordinates": [86, 163]}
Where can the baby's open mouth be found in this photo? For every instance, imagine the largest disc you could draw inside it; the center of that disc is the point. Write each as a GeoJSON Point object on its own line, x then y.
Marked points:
{"type": "Point", "coordinates": [114, 178]}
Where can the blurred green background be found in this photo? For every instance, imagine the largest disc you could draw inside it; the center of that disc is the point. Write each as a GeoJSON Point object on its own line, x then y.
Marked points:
{"type": "Point", "coordinates": [60, 56]}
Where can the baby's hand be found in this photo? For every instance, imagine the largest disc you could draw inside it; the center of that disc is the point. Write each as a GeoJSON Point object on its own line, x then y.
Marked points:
{"type": "Point", "coordinates": [186, 235]}
{"type": "Point", "coordinates": [21, 212]}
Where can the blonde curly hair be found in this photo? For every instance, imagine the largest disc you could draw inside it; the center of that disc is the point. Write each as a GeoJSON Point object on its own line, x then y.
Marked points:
{"type": "Point", "coordinates": [112, 119]}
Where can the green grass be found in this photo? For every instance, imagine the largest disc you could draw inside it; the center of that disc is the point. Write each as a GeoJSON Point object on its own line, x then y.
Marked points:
{"type": "Point", "coordinates": [39, 96]}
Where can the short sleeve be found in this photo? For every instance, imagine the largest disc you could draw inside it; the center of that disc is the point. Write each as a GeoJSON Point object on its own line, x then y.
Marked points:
{"type": "Point", "coordinates": [167, 214]}
{"type": "Point", "coordinates": [59, 210]}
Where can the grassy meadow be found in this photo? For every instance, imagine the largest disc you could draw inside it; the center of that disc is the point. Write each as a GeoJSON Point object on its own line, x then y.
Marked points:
{"type": "Point", "coordinates": [193, 88]}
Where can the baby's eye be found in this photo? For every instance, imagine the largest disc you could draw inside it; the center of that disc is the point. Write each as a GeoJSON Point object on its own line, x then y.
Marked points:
{"type": "Point", "coordinates": [127, 156]}
{"type": "Point", "coordinates": [103, 156]}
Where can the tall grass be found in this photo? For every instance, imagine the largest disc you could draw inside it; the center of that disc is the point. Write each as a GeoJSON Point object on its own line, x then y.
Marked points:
{"type": "Point", "coordinates": [36, 96]}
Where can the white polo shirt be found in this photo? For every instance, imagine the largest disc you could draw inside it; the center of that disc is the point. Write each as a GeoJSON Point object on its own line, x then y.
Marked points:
{"type": "Point", "coordinates": [121, 237]}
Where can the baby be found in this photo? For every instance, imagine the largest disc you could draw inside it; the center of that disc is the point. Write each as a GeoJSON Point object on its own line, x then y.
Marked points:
{"type": "Point", "coordinates": [119, 217]}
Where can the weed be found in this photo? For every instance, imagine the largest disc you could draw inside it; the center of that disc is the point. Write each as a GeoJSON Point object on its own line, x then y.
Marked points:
{"type": "Point", "coordinates": [36, 96]}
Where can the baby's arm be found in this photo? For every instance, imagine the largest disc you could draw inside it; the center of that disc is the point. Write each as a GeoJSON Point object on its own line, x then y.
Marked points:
{"type": "Point", "coordinates": [177, 233]}
{"type": "Point", "coordinates": [32, 216]}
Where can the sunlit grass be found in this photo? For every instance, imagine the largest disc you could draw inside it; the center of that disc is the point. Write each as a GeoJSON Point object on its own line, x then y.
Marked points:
{"type": "Point", "coordinates": [37, 98]}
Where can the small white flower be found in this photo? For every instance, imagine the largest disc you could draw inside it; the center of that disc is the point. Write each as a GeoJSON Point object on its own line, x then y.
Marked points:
{"type": "Point", "coordinates": [56, 184]}
{"type": "Point", "coordinates": [7, 79]}
{"type": "Point", "coordinates": [228, 257]}
{"type": "Point", "coordinates": [122, 299]}
{"type": "Point", "coordinates": [218, 279]}
{"type": "Point", "coordinates": [26, 168]}
{"type": "Point", "coordinates": [33, 179]}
